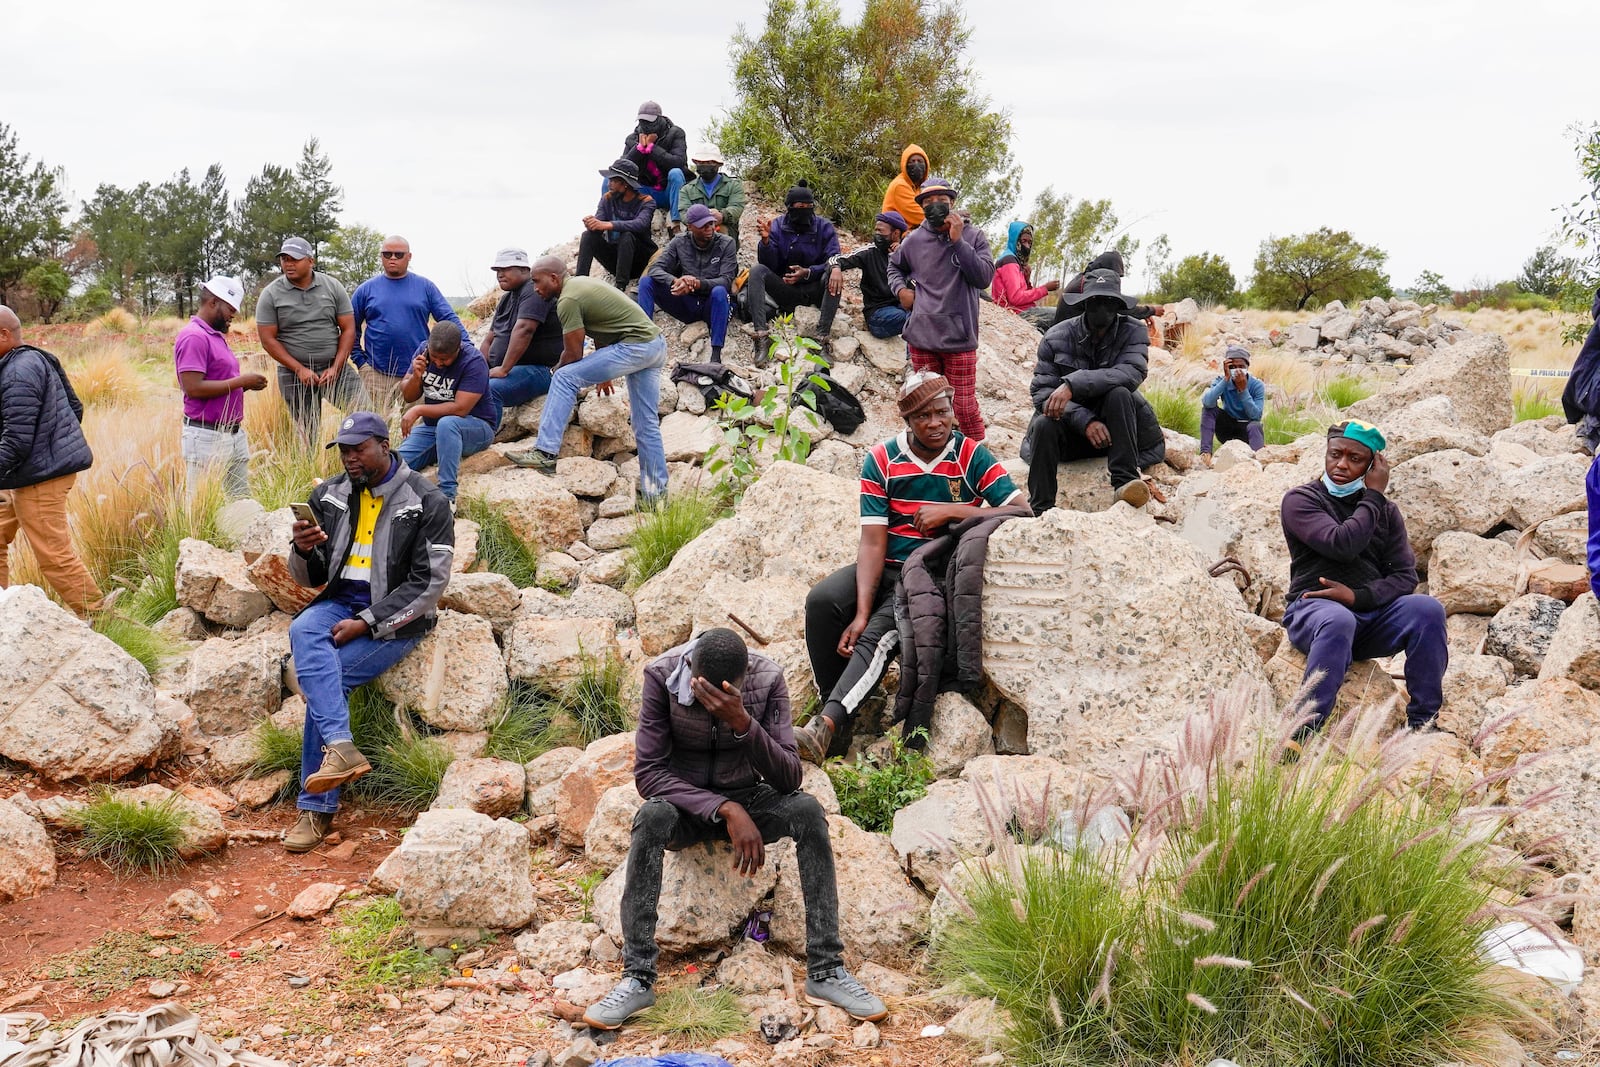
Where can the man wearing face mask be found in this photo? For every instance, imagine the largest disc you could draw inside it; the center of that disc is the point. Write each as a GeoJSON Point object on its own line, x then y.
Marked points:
{"type": "Point", "coordinates": [1111, 261]}
{"type": "Point", "coordinates": [618, 233]}
{"type": "Point", "coordinates": [722, 193]}
{"type": "Point", "coordinates": [1086, 392]}
{"type": "Point", "coordinates": [1013, 288]}
{"type": "Point", "coordinates": [692, 279]}
{"type": "Point", "coordinates": [1230, 410]}
{"type": "Point", "coordinates": [885, 317]}
{"type": "Point", "coordinates": [660, 151]}
{"type": "Point", "coordinates": [901, 195]}
{"type": "Point", "coordinates": [936, 274]}
{"type": "Point", "coordinates": [1352, 580]}
{"type": "Point", "coordinates": [792, 267]}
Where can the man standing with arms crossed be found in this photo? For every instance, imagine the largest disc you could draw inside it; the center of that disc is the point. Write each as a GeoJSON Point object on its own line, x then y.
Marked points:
{"type": "Point", "coordinates": [307, 326]}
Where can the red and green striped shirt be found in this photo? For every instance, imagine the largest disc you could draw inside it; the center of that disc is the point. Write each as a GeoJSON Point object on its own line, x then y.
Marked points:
{"type": "Point", "coordinates": [895, 482]}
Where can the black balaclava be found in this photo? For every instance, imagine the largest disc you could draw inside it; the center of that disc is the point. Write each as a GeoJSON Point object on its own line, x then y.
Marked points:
{"type": "Point", "coordinates": [1100, 315]}
{"type": "Point", "coordinates": [799, 218]}
{"type": "Point", "coordinates": [916, 169]}
{"type": "Point", "coordinates": [708, 171]}
{"type": "Point", "coordinates": [656, 125]}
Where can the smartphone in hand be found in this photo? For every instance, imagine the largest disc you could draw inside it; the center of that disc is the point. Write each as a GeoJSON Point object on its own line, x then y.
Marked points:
{"type": "Point", "coordinates": [303, 513]}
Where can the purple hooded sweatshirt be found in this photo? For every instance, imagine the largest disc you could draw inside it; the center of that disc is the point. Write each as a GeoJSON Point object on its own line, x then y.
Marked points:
{"type": "Point", "coordinates": [947, 277]}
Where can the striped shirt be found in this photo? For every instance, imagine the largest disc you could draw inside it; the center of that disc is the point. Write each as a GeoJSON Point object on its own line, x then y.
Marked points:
{"type": "Point", "coordinates": [358, 565]}
{"type": "Point", "coordinates": [895, 482]}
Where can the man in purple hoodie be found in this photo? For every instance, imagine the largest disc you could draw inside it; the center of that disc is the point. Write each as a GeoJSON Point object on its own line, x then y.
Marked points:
{"type": "Point", "coordinates": [1352, 580]}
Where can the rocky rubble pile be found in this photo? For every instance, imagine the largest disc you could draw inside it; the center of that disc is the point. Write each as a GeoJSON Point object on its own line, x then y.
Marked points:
{"type": "Point", "coordinates": [1375, 331]}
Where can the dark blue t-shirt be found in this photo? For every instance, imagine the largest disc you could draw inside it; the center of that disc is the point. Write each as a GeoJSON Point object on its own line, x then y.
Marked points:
{"type": "Point", "coordinates": [468, 374]}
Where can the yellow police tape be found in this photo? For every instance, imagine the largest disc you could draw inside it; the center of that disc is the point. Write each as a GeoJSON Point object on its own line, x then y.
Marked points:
{"type": "Point", "coordinates": [1541, 372]}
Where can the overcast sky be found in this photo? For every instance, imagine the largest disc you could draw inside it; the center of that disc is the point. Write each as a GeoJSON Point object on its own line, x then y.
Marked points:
{"type": "Point", "coordinates": [1437, 131]}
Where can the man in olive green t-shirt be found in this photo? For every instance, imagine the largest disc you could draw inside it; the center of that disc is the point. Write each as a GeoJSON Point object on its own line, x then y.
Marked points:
{"type": "Point", "coordinates": [627, 344]}
{"type": "Point", "coordinates": [307, 326]}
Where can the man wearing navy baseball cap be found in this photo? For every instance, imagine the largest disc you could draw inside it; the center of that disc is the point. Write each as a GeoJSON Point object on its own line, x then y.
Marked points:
{"type": "Point", "coordinates": [373, 609]}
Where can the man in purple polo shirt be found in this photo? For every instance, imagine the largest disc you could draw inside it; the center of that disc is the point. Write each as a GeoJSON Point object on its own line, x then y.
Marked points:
{"type": "Point", "coordinates": [213, 391]}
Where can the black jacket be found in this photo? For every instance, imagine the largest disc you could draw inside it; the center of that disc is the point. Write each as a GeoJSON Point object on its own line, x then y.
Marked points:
{"type": "Point", "coordinates": [939, 613]}
{"type": "Point", "coordinates": [1068, 354]}
{"type": "Point", "coordinates": [40, 435]}
{"type": "Point", "coordinates": [671, 150]}
{"type": "Point", "coordinates": [414, 540]}
{"type": "Point", "coordinates": [714, 265]}
{"type": "Point", "coordinates": [874, 267]}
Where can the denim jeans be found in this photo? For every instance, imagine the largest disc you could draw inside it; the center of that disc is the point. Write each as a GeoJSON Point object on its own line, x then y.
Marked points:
{"type": "Point", "coordinates": [640, 362]}
{"type": "Point", "coordinates": [691, 307]}
{"type": "Point", "coordinates": [326, 675]}
{"type": "Point", "coordinates": [659, 826]}
{"type": "Point", "coordinates": [666, 197]}
{"type": "Point", "coordinates": [1219, 425]}
{"type": "Point", "coordinates": [887, 322]}
{"type": "Point", "coordinates": [208, 451]}
{"type": "Point", "coordinates": [447, 442]}
{"type": "Point", "coordinates": [1332, 636]}
{"type": "Point", "coordinates": [522, 383]}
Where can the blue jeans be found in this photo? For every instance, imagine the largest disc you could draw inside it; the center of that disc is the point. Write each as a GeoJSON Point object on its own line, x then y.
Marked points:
{"type": "Point", "coordinates": [693, 307]}
{"type": "Point", "coordinates": [887, 322]}
{"type": "Point", "coordinates": [1332, 636]}
{"type": "Point", "coordinates": [448, 441]}
{"type": "Point", "coordinates": [666, 199]}
{"type": "Point", "coordinates": [326, 675]}
{"type": "Point", "coordinates": [522, 383]}
{"type": "Point", "coordinates": [641, 363]}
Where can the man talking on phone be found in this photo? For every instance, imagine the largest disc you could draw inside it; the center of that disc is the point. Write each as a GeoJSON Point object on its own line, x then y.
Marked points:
{"type": "Point", "coordinates": [379, 539]}
{"type": "Point", "coordinates": [1230, 409]}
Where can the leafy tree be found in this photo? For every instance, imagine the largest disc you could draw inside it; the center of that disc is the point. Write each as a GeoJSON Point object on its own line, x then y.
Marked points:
{"type": "Point", "coordinates": [322, 199]}
{"type": "Point", "coordinates": [281, 202]}
{"type": "Point", "coordinates": [1323, 265]}
{"type": "Point", "coordinates": [49, 283]}
{"type": "Point", "coordinates": [833, 104]}
{"type": "Point", "coordinates": [1580, 225]}
{"type": "Point", "coordinates": [1067, 233]}
{"type": "Point", "coordinates": [1545, 272]}
{"type": "Point", "coordinates": [1206, 278]}
{"type": "Point", "coordinates": [32, 207]}
{"type": "Point", "coordinates": [1430, 288]}
{"type": "Point", "coordinates": [1157, 260]}
{"type": "Point", "coordinates": [216, 250]}
{"type": "Point", "coordinates": [351, 254]}
{"type": "Point", "coordinates": [122, 224]}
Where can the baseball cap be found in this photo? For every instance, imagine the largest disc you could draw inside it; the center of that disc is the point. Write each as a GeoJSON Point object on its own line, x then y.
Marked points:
{"type": "Point", "coordinates": [706, 152]}
{"type": "Point", "coordinates": [226, 289]}
{"type": "Point", "coordinates": [510, 257]}
{"type": "Point", "coordinates": [698, 215]}
{"type": "Point", "coordinates": [649, 110]}
{"type": "Point", "coordinates": [296, 248]}
{"type": "Point", "coordinates": [359, 427]}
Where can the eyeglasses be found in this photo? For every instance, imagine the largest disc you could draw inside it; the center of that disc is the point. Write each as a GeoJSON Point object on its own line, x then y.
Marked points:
{"type": "Point", "coordinates": [394, 255]}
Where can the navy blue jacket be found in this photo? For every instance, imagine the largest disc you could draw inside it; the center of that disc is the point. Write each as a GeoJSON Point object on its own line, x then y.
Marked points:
{"type": "Point", "coordinates": [40, 435]}
{"type": "Point", "coordinates": [784, 248]}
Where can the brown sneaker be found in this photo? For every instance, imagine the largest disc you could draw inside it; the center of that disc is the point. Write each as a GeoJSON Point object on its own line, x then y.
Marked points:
{"type": "Point", "coordinates": [813, 739]}
{"type": "Point", "coordinates": [342, 763]}
{"type": "Point", "coordinates": [309, 831]}
{"type": "Point", "coordinates": [1134, 492]}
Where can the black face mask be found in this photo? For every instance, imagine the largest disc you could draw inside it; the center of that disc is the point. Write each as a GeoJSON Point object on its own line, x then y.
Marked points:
{"type": "Point", "coordinates": [800, 218]}
{"type": "Point", "coordinates": [652, 126]}
{"type": "Point", "coordinates": [881, 243]}
{"type": "Point", "coordinates": [1099, 316]}
{"type": "Point", "coordinates": [916, 170]}
{"type": "Point", "coordinates": [1023, 253]}
{"type": "Point", "coordinates": [707, 173]}
{"type": "Point", "coordinates": [937, 212]}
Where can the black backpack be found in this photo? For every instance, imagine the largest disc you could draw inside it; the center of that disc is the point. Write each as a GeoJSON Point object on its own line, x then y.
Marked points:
{"type": "Point", "coordinates": [835, 403]}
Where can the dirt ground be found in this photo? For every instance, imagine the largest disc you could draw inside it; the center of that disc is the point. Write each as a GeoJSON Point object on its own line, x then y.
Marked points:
{"type": "Point", "coordinates": [275, 986]}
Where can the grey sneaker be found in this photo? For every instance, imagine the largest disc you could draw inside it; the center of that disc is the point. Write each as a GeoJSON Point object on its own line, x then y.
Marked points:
{"type": "Point", "coordinates": [542, 462]}
{"type": "Point", "coordinates": [843, 991]}
{"type": "Point", "coordinates": [627, 998]}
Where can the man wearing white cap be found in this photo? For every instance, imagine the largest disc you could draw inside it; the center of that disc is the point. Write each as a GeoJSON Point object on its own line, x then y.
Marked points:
{"type": "Point", "coordinates": [213, 436]}
{"type": "Point", "coordinates": [722, 193]}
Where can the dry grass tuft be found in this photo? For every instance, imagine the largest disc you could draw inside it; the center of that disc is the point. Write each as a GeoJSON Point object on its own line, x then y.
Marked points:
{"type": "Point", "coordinates": [115, 321]}
{"type": "Point", "coordinates": [107, 376]}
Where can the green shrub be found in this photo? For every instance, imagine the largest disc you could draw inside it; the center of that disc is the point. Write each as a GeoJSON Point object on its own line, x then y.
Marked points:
{"type": "Point", "coordinates": [408, 763]}
{"type": "Point", "coordinates": [872, 790]}
{"type": "Point", "coordinates": [376, 943]}
{"type": "Point", "coordinates": [1176, 408]}
{"type": "Point", "coordinates": [500, 548]}
{"type": "Point", "coordinates": [276, 748]}
{"type": "Point", "coordinates": [594, 701]}
{"type": "Point", "coordinates": [662, 532]}
{"type": "Point", "coordinates": [523, 729]}
{"type": "Point", "coordinates": [1282, 425]}
{"type": "Point", "coordinates": [119, 958]}
{"type": "Point", "coordinates": [1325, 911]}
{"type": "Point", "coordinates": [1532, 404]}
{"type": "Point", "coordinates": [696, 1016]}
{"type": "Point", "coordinates": [1345, 390]}
{"type": "Point", "coordinates": [131, 836]}
{"type": "Point", "coordinates": [750, 430]}
{"type": "Point", "coordinates": [136, 639]}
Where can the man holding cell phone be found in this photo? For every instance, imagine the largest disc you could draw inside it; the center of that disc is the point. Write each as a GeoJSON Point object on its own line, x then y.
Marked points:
{"type": "Point", "coordinates": [372, 610]}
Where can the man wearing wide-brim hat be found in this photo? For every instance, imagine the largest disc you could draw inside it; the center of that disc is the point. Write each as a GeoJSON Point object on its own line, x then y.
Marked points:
{"type": "Point", "coordinates": [1086, 392]}
{"type": "Point", "coordinates": [722, 193]}
{"type": "Point", "coordinates": [618, 233]}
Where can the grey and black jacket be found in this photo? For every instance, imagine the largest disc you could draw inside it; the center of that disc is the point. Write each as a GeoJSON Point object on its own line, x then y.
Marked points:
{"type": "Point", "coordinates": [413, 545]}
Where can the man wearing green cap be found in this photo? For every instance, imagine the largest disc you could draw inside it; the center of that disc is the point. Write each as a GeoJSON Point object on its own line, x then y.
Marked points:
{"type": "Point", "coordinates": [1352, 580]}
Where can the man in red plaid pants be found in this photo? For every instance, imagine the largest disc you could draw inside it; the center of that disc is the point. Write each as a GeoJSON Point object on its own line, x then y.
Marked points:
{"type": "Point", "coordinates": [937, 273]}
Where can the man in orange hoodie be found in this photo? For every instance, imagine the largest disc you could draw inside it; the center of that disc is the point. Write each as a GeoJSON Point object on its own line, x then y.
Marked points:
{"type": "Point", "coordinates": [901, 195]}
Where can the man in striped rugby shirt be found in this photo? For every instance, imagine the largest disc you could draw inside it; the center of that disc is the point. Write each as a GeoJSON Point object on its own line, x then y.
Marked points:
{"type": "Point", "coordinates": [912, 486]}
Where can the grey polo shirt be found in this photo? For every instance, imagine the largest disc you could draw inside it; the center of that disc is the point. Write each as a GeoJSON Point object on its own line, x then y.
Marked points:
{"type": "Point", "coordinates": [307, 319]}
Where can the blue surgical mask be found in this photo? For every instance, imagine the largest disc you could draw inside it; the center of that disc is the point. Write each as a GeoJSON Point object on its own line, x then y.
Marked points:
{"type": "Point", "coordinates": [1348, 489]}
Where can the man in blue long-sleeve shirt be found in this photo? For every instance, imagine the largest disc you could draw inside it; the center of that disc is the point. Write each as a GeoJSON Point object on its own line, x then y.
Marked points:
{"type": "Point", "coordinates": [392, 313]}
{"type": "Point", "coordinates": [792, 267]}
{"type": "Point", "coordinates": [1230, 410]}
{"type": "Point", "coordinates": [1353, 580]}
{"type": "Point", "coordinates": [618, 233]}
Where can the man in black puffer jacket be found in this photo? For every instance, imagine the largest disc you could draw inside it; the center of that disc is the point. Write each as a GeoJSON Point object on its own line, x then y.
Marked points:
{"type": "Point", "coordinates": [660, 149]}
{"type": "Point", "coordinates": [42, 449]}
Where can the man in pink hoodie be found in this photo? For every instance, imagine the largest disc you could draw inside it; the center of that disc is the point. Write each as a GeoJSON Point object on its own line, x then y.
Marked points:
{"type": "Point", "coordinates": [1012, 288]}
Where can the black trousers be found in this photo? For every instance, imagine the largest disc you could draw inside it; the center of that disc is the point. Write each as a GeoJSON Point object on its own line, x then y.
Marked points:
{"type": "Point", "coordinates": [1136, 441]}
{"type": "Point", "coordinates": [765, 282]}
{"type": "Point", "coordinates": [620, 257]}
{"type": "Point", "coordinates": [844, 684]}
